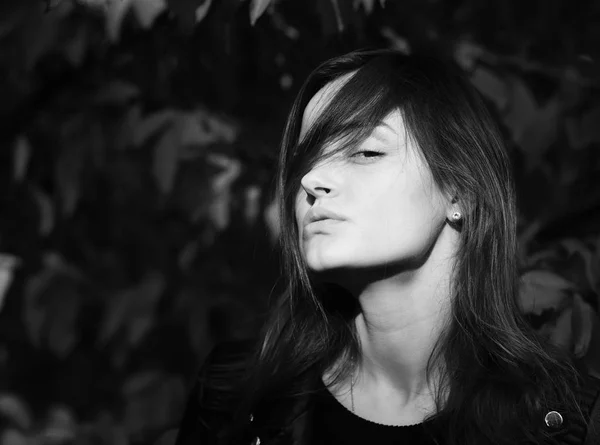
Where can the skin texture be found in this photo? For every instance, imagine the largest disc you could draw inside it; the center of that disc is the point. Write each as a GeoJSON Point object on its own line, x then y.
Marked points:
{"type": "Point", "coordinates": [393, 252]}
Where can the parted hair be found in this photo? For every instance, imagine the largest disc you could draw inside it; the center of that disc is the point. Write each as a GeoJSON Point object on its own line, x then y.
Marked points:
{"type": "Point", "coordinates": [496, 374]}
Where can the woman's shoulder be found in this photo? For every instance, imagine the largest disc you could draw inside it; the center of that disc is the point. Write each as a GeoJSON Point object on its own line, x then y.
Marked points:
{"type": "Point", "coordinates": [230, 352]}
{"type": "Point", "coordinates": [214, 394]}
{"type": "Point", "coordinates": [579, 425]}
{"type": "Point", "coordinates": [589, 390]}
{"type": "Point", "coordinates": [222, 370]}
{"type": "Point", "coordinates": [588, 395]}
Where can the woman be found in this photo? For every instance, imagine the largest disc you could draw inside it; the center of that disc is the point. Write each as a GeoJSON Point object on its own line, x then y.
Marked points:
{"type": "Point", "coordinates": [400, 322]}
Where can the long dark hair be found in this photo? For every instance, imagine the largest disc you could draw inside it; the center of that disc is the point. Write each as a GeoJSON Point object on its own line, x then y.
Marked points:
{"type": "Point", "coordinates": [499, 376]}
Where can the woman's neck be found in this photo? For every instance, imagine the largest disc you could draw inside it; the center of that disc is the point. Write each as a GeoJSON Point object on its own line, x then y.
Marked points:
{"type": "Point", "coordinates": [400, 320]}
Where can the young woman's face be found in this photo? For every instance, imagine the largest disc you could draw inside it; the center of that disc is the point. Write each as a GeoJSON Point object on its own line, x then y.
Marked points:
{"type": "Point", "coordinates": [391, 210]}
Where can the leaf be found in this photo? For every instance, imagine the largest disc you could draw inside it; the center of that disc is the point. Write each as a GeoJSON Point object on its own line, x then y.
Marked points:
{"type": "Point", "coordinates": [73, 160]}
{"type": "Point", "coordinates": [193, 132]}
{"type": "Point", "coordinates": [202, 10]}
{"type": "Point", "coordinates": [533, 128]}
{"type": "Point", "coordinates": [11, 436]}
{"type": "Point", "coordinates": [200, 129]}
{"type": "Point", "coordinates": [280, 23]}
{"type": "Point", "coordinates": [367, 5]}
{"type": "Point", "coordinates": [146, 11]}
{"type": "Point", "coordinates": [119, 355]}
{"type": "Point", "coordinates": [491, 86]}
{"type": "Point", "coordinates": [21, 158]}
{"type": "Point", "coordinates": [139, 327]}
{"type": "Point", "coordinates": [218, 130]}
{"type": "Point", "coordinates": [198, 327]}
{"type": "Point", "coordinates": [396, 41]}
{"type": "Point", "coordinates": [560, 332]}
{"type": "Point", "coordinates": [252, 195]}
{"type": "Point", "coordinates": [286, 81]}
{"type": "Point", "coordinates": [13, 14]}
{"type": "Point", "coordinates": [75, 48]}
{"type": "Point", "coordinates": [271, 217]}
{"type": "Point", "coordinates": [585, 320]}
{"type": "Point", "coordinates": [338, 16]}
{"type": "Point", "coordinates": [185, 11]}
{"type": "Point", "coordinates": [40, 34]}
{"type": "Point", "coordinates": [60, 426]}
{"type": "Point", "coordinates": [16, 410]}
{"type": "Point", "coordinates": [67, 174]}
{"type": "Point", "coordinates": [52, 301]}
{"type": "Point", "coordinates": [257, 8]}
{"type": "Point", "coordinates": [467, 54]}
{"type": "Point", "coordinates": [187, 255]}
{"type": "Point", "coordinates": [584, 130]}
{"type": "Point", "coordinates": [149, 126]}
{"type": "Point", "coordinates": [46, 209]}
{"type": "Point", "coordinates": [151, 399]}
{"type": "Point", "coordinates": [168, 437]}
{"type": "Point", "coordinates": [542, 290]}
{"type": "Point", "coordinates": [95, 4]}
{"type": "Point", "coordinates": [541, 132]}
{"type": "Point", "coordinates": [166, 157]}
{"type": "Point", "coordinates": [192, 307]}
{"type": "Point", "coordinates": [189, 130]}
{"type": "Point", "coordinates": [33, 313]}
{"type": "Point", "coordinates": [221, 187]}
{"type": "Point", "coordinates": [573, 328]}
{"type": "Point", "coordinates": [115, 11]}
{"type": "Point", "coordinates": [102, 431]}
{"type": "Point", "coordinates": [566, 323]}
{"type": "Point", "coordinates": [572, 246]}
{"type": "Point", "coordinates": [124, 137]}
{"type": "Point", "coordinates": [60, 301]}
{"type": "Point", "coordinates": [116, 92]}
{"type": "Point", "coordinates": [141, 381]}
{"type": "Point", "coordinates": [62, 335]}
{"type": "Point", "coordinates": [334, 15]}
{"type": "Point", "coordinates": [132, 310]}
{"type": "Point", "coordinates": [526, 235]}
{"type": "Point", "coordinates": [7, 265]}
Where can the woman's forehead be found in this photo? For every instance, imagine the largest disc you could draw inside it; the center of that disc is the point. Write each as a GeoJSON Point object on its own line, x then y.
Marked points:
{"type": "Point", "coordinates": [392, 125]}
{"type": "Point", "coordinates": [319, 102]}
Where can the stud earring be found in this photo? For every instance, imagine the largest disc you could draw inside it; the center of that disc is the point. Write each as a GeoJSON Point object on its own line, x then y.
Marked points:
{"type": "Point", "coordinates": [456, 216]}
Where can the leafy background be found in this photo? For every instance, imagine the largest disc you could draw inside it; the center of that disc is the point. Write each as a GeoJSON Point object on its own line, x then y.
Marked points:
{"type": "Point", "coordinates": [139, 140]}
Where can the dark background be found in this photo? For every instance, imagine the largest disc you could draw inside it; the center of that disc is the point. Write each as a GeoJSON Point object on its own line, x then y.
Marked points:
{"type": "Point", "coordinates": [138, 146]}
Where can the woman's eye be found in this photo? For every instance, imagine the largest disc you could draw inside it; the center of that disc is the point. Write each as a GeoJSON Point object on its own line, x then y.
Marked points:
{"type": "Point", "coordinates": [368, 153]}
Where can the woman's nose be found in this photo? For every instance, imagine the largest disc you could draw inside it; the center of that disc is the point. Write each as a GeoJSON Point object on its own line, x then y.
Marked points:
{"type": "Point", "coordinates": [315, 185]}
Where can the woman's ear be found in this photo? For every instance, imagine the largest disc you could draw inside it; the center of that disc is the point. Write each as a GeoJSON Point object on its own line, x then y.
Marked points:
{"type": "Point", "coordinates": [454, 211]}
{"type": "Point", "coordinates": [452, 201]}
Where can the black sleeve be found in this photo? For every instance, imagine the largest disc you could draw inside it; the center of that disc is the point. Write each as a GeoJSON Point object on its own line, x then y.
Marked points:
{"type": "Point", "coordinates": [209, 406]}
{"type": "Point", "coordinates": [194, 429]}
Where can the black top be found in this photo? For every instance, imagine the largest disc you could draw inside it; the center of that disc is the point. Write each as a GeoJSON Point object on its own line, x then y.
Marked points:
{"type": "Point", "coordinates": [334, 423]}
{"type": "Point", "coordinates": [299, 421]}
